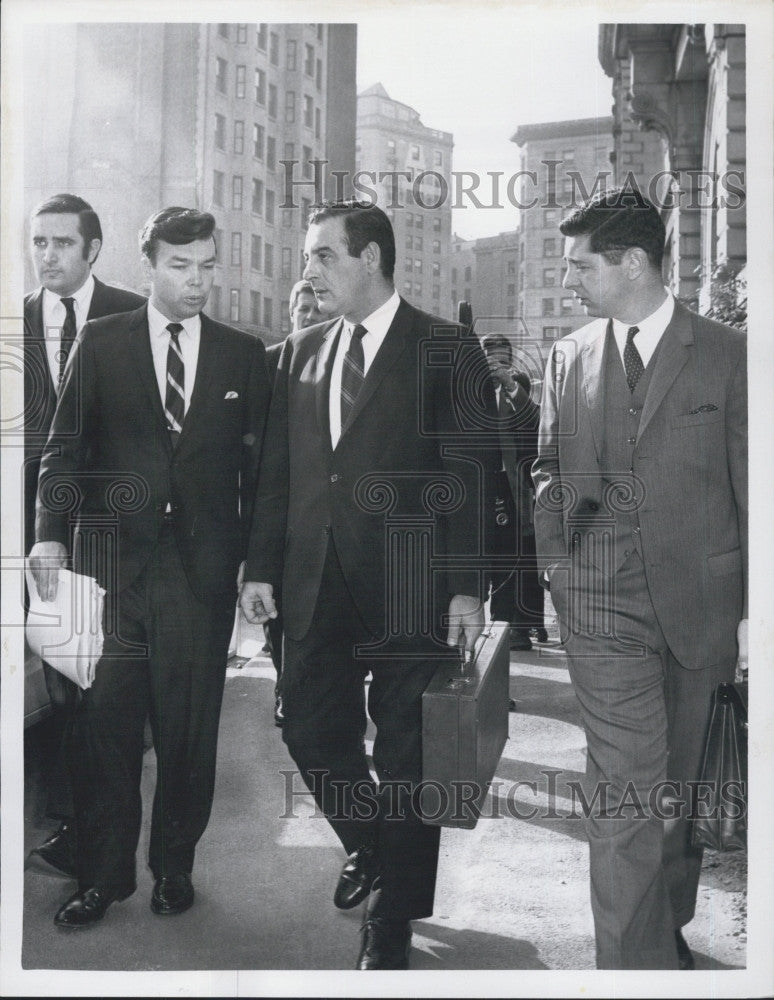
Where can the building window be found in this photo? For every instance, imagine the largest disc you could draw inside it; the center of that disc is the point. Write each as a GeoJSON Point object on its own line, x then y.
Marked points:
{"type": "Point", "coordinates": [407, 287]}
{"type": "Point", "coordinates": [220, 75]}
{"type": "Point", "coordinates": [415, 152]}
{"type": "Point", "coordinates": [309, 60]}
{"type": "Point", "coordinates": [436, 246]}
{"type": "Point", "coordinates": [548, 307]}
{"type": "Point", "coordinates": [511, 267]}
{"type": "Point", "coordinates": [436, 291]}
{"type": "Point", "coordinates": [256, 206]}
{"type": "Point", "coordinates": [215, 301]}
{"type": "Point", "coordinates": [409, 242]}
{"type": "Point", "coordinates": [258, 134]}
{"type": "Point", "coordinates": [418, 242]}
{"type": "Point", "coordinates": [549, 248]}
{"type": "Point", "coordinates": [550, 217]}
{"type": "Point", "coordinates": [318, 74]}
{"type": "Point", "coordinates": [223, 30]}
{"type": "Point", "coordinates": [239, 137]}
{"type": "Point", "coordinates": [409, 218]}
{"type": "Point", "coordinates": [391, 147]}
{"type": "Point", "coordinates": [306, 208]}
{"type": "Point", "coordinates": [408, 266]}
{"type": "Point", "coordinates": [255, 308]}
{"type": "Point", "coordinates": [437, 224]}
{"type": "Point", "coordinates": [308, 111]}
{"type": "Point", "coordinates": [436, 269]}
{"type": "Point", "coordinates": [437, 158]}
{"type": "Point", "coordinates": [285, 324]}
{"type": "Point", "coordinates": [467, 295]}
{"type": "Point", "coordinates": [274, 49]}
{"type": "Point", "coordinates": [220, 131]}
{"type": "Point", "coordinates": [454, 275]}
{"type": "Point", "coordinates": [549, 277]}
{"type": "Point", "coordinates": [240, 81]}
{"type": "Point", "coordinates": [317, 123]}
{"type": "Point", "coordinates": [511, 290]}
{"type": "Point", "coordinates": [320, 30]}
{"type": "Point", "coordinates": [236, 249]}
{"type": "Point", "coordinates": [467, 273]}
{"type": "Point", "coordinates": [550, 332]}
{"type": "Point", "coordinates": [217, 235]}
{"type": "Point", "coordinates": [511, 312]}
{"type": "Point", "coordinates": [241, 34]}
{"type": "Point", "coordinates": [420, 221]}
{"type": "Point", "coordinates": [236, 193]}
{"type": "Point", "coordinates": [306, 166]}
{"type": "Point", "coordinates": [271, 153]}
{"type": "Point", "coordinates": [268, 260]}
{"type": "Point", "coordinates": [269, 215]}
{"type": "Point", "coordinates": [290, 106]}
{"type": "Point", "coordinates": [417, 264]}
{"type": "Point", "coordinates": [286, 262]}
{"type": "Point", "coordinates": [255, 253]}
{"type": "Point", "coordinates": [290, 151]}
{"type": "Point", "coordinates": [417, 288]}
{"type": "Point", "coordinates": [217, 187]}
{"type": "Point", "coordinates": [566, 305]}
{"type": "Point", "coordinates": [233, 313]}
{"type": "Point", "coordinates": [261, 36]}
{"type": "Point", "coordinates": [260, 86]}
{"type": "Point", "coordinates": [272, 101]}
{"type": "Point", "coordinates": [292, 54]}
{"type": "Point", "coordinates": [267, 313]}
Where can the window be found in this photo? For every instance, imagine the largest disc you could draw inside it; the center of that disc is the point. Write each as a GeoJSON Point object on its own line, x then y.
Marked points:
{"type": "Point", "coordinates": [550, 217]}
{"type": "Point", "coordinates": [549, 276]}
{"type": "Point", "coordinates": [287, 218]}
{"type": "Point", "coordinates": [306, 208]}
{"type": "Point", "coordinates": [233, 314]}
{"type": "Point", "coordinates": [436, 246]}
{"type": "Point", "coordinates": [308, 111]}
{"type": "Point", "coordinates": [467, 273]}
{"type": "Point", "coordinates": [511, 267]}
{"type": "Point", "coordinates": [241, 34]}
{"type": "Point", "coordinates": [215, 301]}
{"type": "Point", "coordinates": [511, 290]}
{"type": "Point", "coordinates": [274, 49]}
{"type": "Point", "coordinates": [317, 123]}
{"type": "Point", "coordinates": [409, 218]}
{"type": "Point", "coordinates": [566, 305]}
{"type": "Point", "coordinates": [286, 262]}
{"type": "Point", "coordinates": [437, 158]}
{"type": "Point", "coordinates": [437, 224]}
{"type": "Point", "coordinates": [436, 269]}
{"type": "Point", "coordinates": [418, 242]}
{"type": "Point", "coordinates": [408, 266]}
{"type": "Point", "coordinates": [306, 165]}
{"type": "Point", "coordinates": [409, 242]}
{"type": "Point", "coordinates": [260, 86]}
{"type": "Point", "coordinates": [291, 56]}
{"type": "Point", "coordinates": [255, 253]}
{"type": "Point", "coordinates": [510, 312]}
{"type": "Point", "coordinates": [255, 308]}
{"type": "Point", "coordinates": [223, 30]}
{"type": "Point", "coordinates": [290, 106]}
{"type": "Point", "coordinates": [236, 193]}
{"type": "Point", "coordinates": [217, 235]}
{"type": "Point", "coordinates": [550, 332]}
{"type": "Point", "coordinates": [415, 152]}
{"type": "Point", "coordinates": [220, 75]}
{"type": "Point", "coordinates": [420, 221]}
{"type": "Point", "coordinates": [548, 307]}
{"type": "Point", "coordinates": [261, 37]}
{"type": "Point", "coordinates": [285, 316]}
{"type": "Point", "coordinates": [258, 134]}
{"type": "Point", "coordinates": [391, 147]}
{"type": "Point", "coordinates": [290, 151]}
{"type": "Point", "coordinates": [236, 249]}
{"type": "Point", "coordinates": [268, 260]}
{"type": "Point", "coordinates": [320, 30]}
{"type": "Point", "coordinates": [256, 206]}
{"type": "Point", "coordinates": [269, 206]}
{"type": "Point", "coordinates": [549, 248]}
{"type": "Point", "coordinates": [272, 101]}
{"type": "Point", "coordinates": [240, 81]}
{"type": "Point", "coordinates": [220, 131]}
{"type": "Point", "coordinates": [407, 287]}
{"type": "Point", "coordinates": [271, 153]}
{"type": "Point", "coordinates": [436, 291]}
{"type": "Point", "coordinates": [239, 137]}
{"type": "Point", "coordinates": [309, 60]}
{"type": "Point", "coordinates": [417, 288]}
{"type": "Point", "coordinates": [454, 275]}
{"type": "Point", "coordinates": [318, 75]}
{"type": "Point", "coordinates": [417, 264]}
{"type": "Point", "coordinates": [217, 187]}
{"type": "Point", "coordinates": [267, 312]}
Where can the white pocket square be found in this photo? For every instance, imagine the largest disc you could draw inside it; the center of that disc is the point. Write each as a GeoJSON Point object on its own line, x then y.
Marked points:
{"type": "Point", "coordinates": [231, 395]}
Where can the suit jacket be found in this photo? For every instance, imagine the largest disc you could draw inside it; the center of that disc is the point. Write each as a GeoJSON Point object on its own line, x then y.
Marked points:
{"type": "Point", "coordinates": [691, 458]}
{"type": "Point", "coordinates": [518, 447]}
{"type": "Point", "coordinates": [109, 461]}
{"type": "Point", "coordinates": [409, 428]}
{"type": "Point", "coordinates": [39, 389]}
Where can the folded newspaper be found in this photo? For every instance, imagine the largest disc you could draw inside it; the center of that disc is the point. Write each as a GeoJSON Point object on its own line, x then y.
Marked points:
{"type": "Point", "coordinates": [67, 632]}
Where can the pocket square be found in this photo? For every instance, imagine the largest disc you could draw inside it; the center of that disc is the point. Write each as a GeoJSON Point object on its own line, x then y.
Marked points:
{"type": "Point", "coordinates": [231, 395]}
{"type": "Point", "coordinates": [704, 408]}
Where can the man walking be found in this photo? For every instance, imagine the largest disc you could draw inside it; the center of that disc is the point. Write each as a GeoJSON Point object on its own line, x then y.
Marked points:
{"type": "Point", "coordinates": [641, 525]}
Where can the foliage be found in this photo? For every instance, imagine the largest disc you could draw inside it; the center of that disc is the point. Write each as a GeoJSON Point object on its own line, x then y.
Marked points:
{"type": "Point", "coordinates": [728, 295]}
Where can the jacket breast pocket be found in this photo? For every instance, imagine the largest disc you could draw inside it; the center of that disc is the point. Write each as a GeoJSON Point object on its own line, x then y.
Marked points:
{"type": "Point", "coordinates": [697, 419]}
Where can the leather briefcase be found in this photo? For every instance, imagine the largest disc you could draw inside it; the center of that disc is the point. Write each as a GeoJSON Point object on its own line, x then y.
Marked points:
{"type": "Point", "coordinates": [464, 729]}
{"type": "Point", "coordinates": [720, 819]}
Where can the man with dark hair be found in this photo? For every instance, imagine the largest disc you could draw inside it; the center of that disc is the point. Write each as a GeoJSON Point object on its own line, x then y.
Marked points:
{"type": "Point", "coordinates": [65, 238]}
{"type": "Point", "coordinates": [517, 596]}
{"type": "Point", "coordinates": [641, 526]}
{"type": "Point", "coordinates": [362, 415]}
{"type": "Point", "coordinates": [168, 408]}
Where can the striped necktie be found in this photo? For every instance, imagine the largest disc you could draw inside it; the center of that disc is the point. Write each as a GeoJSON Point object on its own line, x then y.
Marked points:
{"type": "Point", "coordinates": [174, 403]}
{"type": "Point", "coordinates": [633, 365]}
{"type": "Point", "coordinates": [68, 333]}
{"type": "Point", "coordinates": [352, 372]}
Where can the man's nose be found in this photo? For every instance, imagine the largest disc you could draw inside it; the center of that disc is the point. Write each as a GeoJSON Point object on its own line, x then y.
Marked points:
{"type": "Point", "coordinates": [308, 270]}
{"type": "Point", "coordinates": [49, 252]}
{"type": "Point", "coordinates": [569, 280]}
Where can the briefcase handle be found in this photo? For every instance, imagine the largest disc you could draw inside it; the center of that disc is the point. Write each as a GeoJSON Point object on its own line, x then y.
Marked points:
{"type": "Point", "coordinates": [469, 660]}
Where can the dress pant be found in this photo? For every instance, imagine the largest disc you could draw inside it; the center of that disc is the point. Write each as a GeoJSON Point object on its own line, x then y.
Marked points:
{"type": "Point", "coordinates": [517, 596]}
{"type": "Point", "coordinates": [646, 719]}
{"type": "Point", "coordinates": [164, 656]}
{"type": "Point", "coordinates": [63, 694]}
{"type": "Point", "coordinates": [325, 723]}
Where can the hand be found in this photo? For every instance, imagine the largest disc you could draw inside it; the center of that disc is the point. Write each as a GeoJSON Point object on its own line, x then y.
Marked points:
{"type": "Point", "coordinates": [257, 602]}
{"type": "Point", "coordinates": [45, 561]}
{"type": "Point", "coordinates": [466, 620]}
{"type": "Point", "coordinates": [741, 638]}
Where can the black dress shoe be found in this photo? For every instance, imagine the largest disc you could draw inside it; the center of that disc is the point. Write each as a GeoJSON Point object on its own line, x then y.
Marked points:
{"type": "Point", "coordinates": [59, 850]}
{"type": "Point", "coordinates": [89, 906]}
{"type": "Point", "coordinates": [386, 944]}
{"type": "Point", "coordinates": [541, 635]}
{"type": "Point", "coordinates": [520, 639]}
{"type": "Point", "coordinates": [172, 894]}
{"type": "Point", "coordinates": [685, 958]}
{"type": "Point", "coordinates": [357, 878]}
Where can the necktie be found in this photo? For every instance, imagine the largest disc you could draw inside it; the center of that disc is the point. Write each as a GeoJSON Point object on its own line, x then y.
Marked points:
{"type": "Point", "coordinates": [352, 372]}
{"type": "Point", "coordinates": [632, 361]}
{"type": "Point", "coordinates": [68, 333]}
{"type": "Point", "coordinates": [174, 403]}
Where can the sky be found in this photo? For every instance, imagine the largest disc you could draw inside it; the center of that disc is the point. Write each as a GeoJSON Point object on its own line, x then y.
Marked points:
{"type": "Point", "coordinates": [483, 78]}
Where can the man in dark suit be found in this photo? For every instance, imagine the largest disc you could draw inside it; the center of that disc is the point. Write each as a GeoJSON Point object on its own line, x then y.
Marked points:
{"type": "Point", "coordinates": [517, 596]}
{"type": "Point", "coordinates": [66, 238]}
{"type": "Point", "coordinates": [368, 449]}
{"type": "Point", "coordinates": [156, 439]}
{"type": "Point", "coordinates": [641, 524]}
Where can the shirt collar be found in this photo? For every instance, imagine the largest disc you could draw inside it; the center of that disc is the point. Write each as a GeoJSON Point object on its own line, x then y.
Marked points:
{"type": "Point", "coordinates": [82, 296]}
{"type": "Point", "coordinates": [158, 323]}
{"type": "Point", "coordinates": [378, 322]}
{"type": "Point", "coordinates": [653, 326]}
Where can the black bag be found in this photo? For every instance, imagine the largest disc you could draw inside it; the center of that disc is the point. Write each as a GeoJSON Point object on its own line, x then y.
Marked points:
{"type": "Point", "coordinates": [720, 810]}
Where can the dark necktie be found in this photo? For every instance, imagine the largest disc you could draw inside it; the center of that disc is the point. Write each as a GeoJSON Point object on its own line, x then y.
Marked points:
{"type": "Point", "coordinates": [174, 403]}
{"type": "Point", "coordinates": [632, 361]}
{"type": "Point", "coordinates": [352, 372]}
{"type": "Point", "coordinates": [69, 330]}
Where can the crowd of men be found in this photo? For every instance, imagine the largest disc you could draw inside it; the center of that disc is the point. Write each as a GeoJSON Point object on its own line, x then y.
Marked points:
{"type": "Point", "coordinates": [227, 471]}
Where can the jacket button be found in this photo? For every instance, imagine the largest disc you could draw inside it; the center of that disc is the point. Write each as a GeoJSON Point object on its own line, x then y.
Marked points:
{"type": "Point", "coordinates": [335, 477]}
{"type": "Point", "coordinates": [326, 529]}
{"type": "Point", "coordinates": [636, 529]}
{"type": "Point", "coordinates": [631, 440]}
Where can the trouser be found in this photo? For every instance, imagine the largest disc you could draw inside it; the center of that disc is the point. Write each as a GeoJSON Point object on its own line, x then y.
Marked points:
{"type": "Point", "coordinates": [63, 694]}
{"type": "Point", "coordinates": [517, 596]}
{"type": "Point", "coordinates": [325, 723]}
{"type": "Point", "coordinates": [646, 719]}
{"type": "Point", "coordinates": [166, 658]}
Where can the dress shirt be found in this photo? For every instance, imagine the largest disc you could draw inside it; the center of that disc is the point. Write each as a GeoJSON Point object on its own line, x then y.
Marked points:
{"type": "Point", "coordinates": [189, 339]}
{"type": "Point", "coordinates": [376, 325]}
{"type": "Point", "coordinates": [54, 314]}
{"type": "Point", "coordinates": [651, 330]}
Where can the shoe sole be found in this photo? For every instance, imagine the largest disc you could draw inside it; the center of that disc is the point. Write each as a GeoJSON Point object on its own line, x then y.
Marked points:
{"type": "Point", "coordinates": [165, 911]}
{"type": "Point", "coordinates": [65, 926]}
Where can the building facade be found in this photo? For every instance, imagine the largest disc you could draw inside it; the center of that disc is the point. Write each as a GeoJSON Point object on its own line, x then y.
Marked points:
{"type": "Point", "coordinates": [405, 167]}
{"type": "Point", "coordinates": [231, 118]}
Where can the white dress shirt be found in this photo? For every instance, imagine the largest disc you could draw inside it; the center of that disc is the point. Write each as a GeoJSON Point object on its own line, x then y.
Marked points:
{"type": "Point", "coordinates": [54, 314]}
{"type": "Point", "coordinates": [189, 346]}
{"type": "Point", "coordinates": [376, 325]}
{"type": "Point", "coordinates": [651, 330]}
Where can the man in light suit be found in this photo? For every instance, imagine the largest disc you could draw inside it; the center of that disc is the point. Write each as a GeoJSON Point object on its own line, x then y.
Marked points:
{"type": "Point", "coordinates": [66, 238]}
{"type": "Point", "coordinates": [368, 435]}
{"type": "Point", "coordinates": [641, 525]}
{"type": "Point", "coordinates": [156, 439]}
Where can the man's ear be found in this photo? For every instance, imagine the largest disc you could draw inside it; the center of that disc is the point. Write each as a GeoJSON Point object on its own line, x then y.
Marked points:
{"type": "Point", "coordinates": [94, 248]}
{"type": "Point", "coordinates": [635, 262]}
{"type": "Point", "coordinates": [372, 255]}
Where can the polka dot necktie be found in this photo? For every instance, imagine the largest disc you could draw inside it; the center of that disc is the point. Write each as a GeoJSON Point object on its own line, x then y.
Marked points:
{"type": "Point", "coordinates": [352, 372]}
{"type": "Point", "coordinates": [174, 402]}
{"type": "Point", "coordinates": [632, 361]}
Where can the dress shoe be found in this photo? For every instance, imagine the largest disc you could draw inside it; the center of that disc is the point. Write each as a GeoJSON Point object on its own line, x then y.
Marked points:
{"type": "Point", "coordinates": [685, 958]}
{"type": "Point", "coordinates": [386, 944]}
{"type": "Point", "coordinates": [172, 894]}
{"type": "Point", "coordinates": [511, 705]}
{"type": "Point", "coordinates": [279, 711]}
{"type": "Point", "coordinates": [520, 639]}
{"type": "Point", "coordinates": [541, 635]}
{"type": "Point", "coordinates": [357, 878]}
{"type": "Point", "coordinates": [89, 906]}
{"type": "Point", "coordinates": [59, 850]}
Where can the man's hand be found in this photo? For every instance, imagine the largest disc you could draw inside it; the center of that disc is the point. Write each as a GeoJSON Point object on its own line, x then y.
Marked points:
{"type": "Point", "coordinates": [45, 560]}
{"type": "Point", "coordinates": [257, 602]}
{"type": "Point", "coordinates": [741, 638]}
{"type": "Point", "coordinates": [503, 374]}
{"type": "Point", "coordinates": [466, 618]}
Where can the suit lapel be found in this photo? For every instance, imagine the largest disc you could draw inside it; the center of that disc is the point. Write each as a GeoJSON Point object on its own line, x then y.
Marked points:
{"type": "Point", "coordinates": [96, 306]}
{"type": "Point", "coordinates": [672, 355]}
{"type": "Point", "coordinates": [593, 361]}
{"type": "Point", "coordinates": [139, 340]}
{"type": "Point", "coordinates": [324, 367]}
